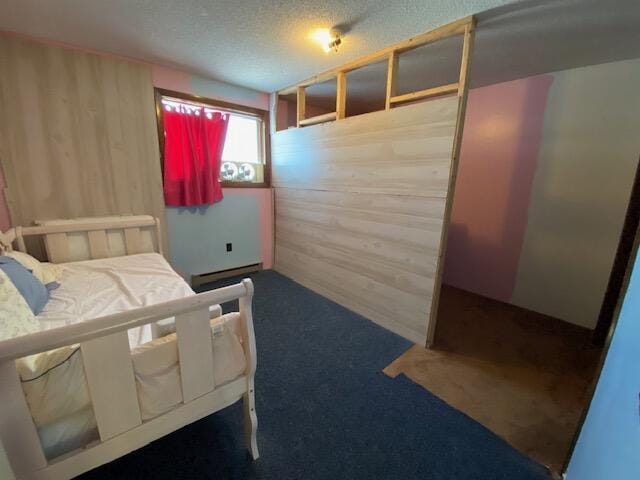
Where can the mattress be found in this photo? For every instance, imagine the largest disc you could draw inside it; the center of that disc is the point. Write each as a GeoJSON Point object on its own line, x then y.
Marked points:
{"type": "Point", "coordinates": [54, 382]}
{"type": "Point", "coordinates": [95, 288]}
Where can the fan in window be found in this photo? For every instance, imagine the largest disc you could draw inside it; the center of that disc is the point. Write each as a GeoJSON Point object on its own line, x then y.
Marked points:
{"type": "Point", "coordinates": [246, 173]}
{"type": "Point", "coordinates": [229, 171]}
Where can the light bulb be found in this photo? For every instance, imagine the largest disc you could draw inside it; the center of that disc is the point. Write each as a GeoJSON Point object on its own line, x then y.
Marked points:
{"type": "Point", "coordinates": [326, 38]}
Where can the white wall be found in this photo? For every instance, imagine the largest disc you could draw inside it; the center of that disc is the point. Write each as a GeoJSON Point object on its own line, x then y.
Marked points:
{"type": "Point", "coordinates": [588, 154]}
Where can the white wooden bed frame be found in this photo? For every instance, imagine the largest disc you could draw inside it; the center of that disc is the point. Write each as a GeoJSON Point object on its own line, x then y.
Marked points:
{"type": "Point", "coordinates": [108, 366]}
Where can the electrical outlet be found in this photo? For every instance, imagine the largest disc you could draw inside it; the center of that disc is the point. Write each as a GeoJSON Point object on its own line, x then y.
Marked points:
{"type": "Point", "coordinates": [229, 247]}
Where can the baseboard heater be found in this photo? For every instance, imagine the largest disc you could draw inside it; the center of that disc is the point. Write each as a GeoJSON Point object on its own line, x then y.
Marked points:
{"type": "Point", "coordinates": [201, 279]}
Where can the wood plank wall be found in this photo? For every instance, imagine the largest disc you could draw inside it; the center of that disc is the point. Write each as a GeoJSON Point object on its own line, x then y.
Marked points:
{"type": "Point", "coordinates": [78, 134]}
{"type": "Point", "coordinates": [360, 205]}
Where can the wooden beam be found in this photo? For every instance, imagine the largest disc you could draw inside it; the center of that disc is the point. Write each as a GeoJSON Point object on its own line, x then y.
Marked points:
{"type": "Point", "coordinates": [341, 95]}
{"type": "Point", "coordinates": [301, 103]}
{"type": "Point", "coordinates": [327, 117]}
{"type": "Point", "coordinates": [392, 76]}
{"type": "Point", "coordinates": [455, 28]}
{"type": "Point", "coordinates": [463, 91]}
{"type": "Point", "coordinates": [273, 113]}
{"type": "Point", "coordinates": [465, 65]}
{"type": "Point", "coordinates": [429, 92]}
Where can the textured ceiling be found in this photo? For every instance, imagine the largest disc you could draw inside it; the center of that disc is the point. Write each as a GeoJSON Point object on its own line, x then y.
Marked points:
{"type": "Point", "coordinates": [261, 44]}
{"type": "Point", "coordinates": [265, 45]}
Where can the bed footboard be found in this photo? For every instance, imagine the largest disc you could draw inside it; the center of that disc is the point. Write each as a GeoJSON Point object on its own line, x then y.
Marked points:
{"type": "Point", "coordinates": [110, 378]}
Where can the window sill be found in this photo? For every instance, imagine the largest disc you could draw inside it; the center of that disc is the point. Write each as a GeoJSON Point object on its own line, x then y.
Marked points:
{"type": "Point", "coordinates": [244, 185]}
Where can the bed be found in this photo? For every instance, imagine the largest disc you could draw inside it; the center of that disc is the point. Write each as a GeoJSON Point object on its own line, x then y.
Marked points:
{"type": "Point", "coordinates": [127, 352]}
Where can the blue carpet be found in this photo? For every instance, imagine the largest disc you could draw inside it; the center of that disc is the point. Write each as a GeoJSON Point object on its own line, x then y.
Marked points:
{"type": "Point", "coordinates": [326, 411]}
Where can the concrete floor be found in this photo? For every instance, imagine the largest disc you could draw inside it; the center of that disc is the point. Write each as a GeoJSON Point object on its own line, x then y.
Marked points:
{"type": "Point", "coordinates": [523, 375]}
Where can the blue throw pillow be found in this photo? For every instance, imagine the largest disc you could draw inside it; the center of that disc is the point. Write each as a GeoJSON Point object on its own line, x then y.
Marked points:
{"type": "Point", "coordinates": [33, 291]}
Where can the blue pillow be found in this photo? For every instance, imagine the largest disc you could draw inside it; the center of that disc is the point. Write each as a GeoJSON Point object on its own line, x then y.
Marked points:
{"type": "Point", "coordinates": [32, 289]}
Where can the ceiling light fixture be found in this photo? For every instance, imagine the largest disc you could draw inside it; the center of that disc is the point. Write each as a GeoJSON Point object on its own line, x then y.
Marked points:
{"type": "Point", "coordinates": [328, 39]}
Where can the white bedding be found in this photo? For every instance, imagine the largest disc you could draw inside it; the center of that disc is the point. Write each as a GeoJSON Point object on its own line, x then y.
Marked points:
{"type": "Point", "coordinates": [54, 382]}
{"type": "Point", "coordinates": [96, 288]}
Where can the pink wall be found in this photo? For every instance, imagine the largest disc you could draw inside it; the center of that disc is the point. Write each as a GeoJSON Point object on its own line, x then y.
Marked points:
{"type": "Point", "coordinates": [498, 160]}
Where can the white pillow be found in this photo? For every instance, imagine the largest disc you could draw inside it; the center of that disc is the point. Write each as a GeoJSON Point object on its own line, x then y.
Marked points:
{"type": "Point", "coordinates": [16, 318]}
{"type": "Point", "coordinates": [45, 272]}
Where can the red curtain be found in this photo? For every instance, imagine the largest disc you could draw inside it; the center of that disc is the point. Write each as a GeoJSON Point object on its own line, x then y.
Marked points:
{"type": "Point", "coordinates": [192, 152]}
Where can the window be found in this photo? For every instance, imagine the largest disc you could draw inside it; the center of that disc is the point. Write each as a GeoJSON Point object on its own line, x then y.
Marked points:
{"type": "Point", "coordinates": [242, 157]}
{"type": "Point", "coordinates": [245, 158]}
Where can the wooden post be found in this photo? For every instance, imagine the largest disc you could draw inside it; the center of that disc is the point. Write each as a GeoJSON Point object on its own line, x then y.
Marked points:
{"type": "Point", "coordinates": [341, 95]}
{"type": "Point", "coordinates": [465, 64]}
{"type": "Point", "coordinates": [301, 105]}
{"type": "Point", "coordinates": [392, 75]}
{"type": "Point", "coordinates": [273, 113]}
{"type": "Point", "coordinates": [249, 345]}
{"type": "Point", "coordinates": [463, 90]}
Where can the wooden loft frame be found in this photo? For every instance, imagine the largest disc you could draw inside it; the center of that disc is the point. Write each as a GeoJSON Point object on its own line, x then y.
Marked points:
{"type": "Point", "coordinates": [464, 26]}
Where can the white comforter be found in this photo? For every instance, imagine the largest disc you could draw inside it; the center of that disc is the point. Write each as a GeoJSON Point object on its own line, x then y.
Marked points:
{"type": "Point", "coordinates": [96, 288]}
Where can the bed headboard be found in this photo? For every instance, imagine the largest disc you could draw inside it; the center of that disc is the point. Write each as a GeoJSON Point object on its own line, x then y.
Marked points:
{"type": "Point", "coordinates": [90, 237]}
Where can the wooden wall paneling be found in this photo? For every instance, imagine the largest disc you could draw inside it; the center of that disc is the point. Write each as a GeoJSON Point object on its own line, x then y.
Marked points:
{"type": "Point", "coordinates": [411, 151]}
{"type": "Point", "coordinates": [463, 91]}
{"type": "Point", "coordinates": [349, 247]}
{"type": "Point", "coordinates": [360, 206]}
{"type": "Point", "coordinates": [395, 152]}
{"type": "Point", "coordinates": [78, 135]}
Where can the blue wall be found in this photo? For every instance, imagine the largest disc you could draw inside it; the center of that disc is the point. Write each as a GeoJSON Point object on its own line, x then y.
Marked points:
{"type": "Point", "coordinates": [198, 236]}
{"type": "Point", "coordinates": [609, 444]}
